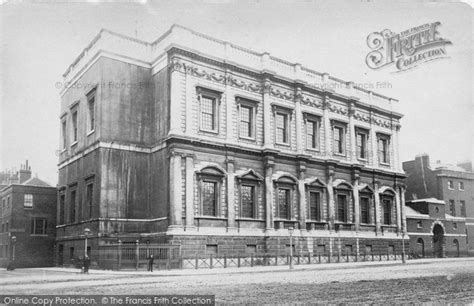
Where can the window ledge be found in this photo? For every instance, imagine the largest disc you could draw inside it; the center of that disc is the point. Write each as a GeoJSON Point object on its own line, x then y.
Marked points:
{"type": "Point", "coordinates": [74, 144]}
{"type": "Point", "coordinates": [282, 144]}
{"type": "Point", "coordinates": [250, 219]}
{"type": "Point", "coordinates": [91, 132]}
{"type": "Point", "coordinates": [63, 150]}
{"type": "Point", "coordinates": [340, 154]}
{"type": "Point", "coordinates": [313, 149]}
{"type": "Point", "coordinates": [39, 235]}
{"type": "Point", "coordinates": [362, 159]}
{"type": "Point", "coordinates": [210, 217]}
{"type": "Point", "coordinates": [385, 164]}
{"type": "Point", "coordinates": [209, 131]}
{"type": "Point", "coordinates": [247, 138]}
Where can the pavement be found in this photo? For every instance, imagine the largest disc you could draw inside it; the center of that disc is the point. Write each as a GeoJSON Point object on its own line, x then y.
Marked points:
{"type": "Point", "coordinates": [62, 274]}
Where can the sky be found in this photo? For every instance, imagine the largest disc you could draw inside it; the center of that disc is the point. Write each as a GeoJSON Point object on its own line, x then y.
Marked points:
{"type": "Point", "coordinates": [39, 40]}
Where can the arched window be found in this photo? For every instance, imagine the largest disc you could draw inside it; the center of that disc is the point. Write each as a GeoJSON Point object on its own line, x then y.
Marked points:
{"type": "Point", "coordinates": [285, 192]}
{"type": "Point", "coordinates": [456, 247]}
{"type": "Point", "coordinates": [387, 196]}
{"type": "Point", "coordinates": [210, 180]}
{"type": "Point", "coordinates": [420, 246]}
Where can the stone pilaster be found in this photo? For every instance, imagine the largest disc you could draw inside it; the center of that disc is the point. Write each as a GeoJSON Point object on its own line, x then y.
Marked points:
{"type": "Point", "coordinates": [355, 183]}
{"type": "Point", "coordinates": [331, 206]}
{"type": "Point", "coordinates": [327, 127]}
{"type": "Point", "coordinates": [229, 110]}
{"type": "Point", "coordinates": [396, 148]}
{"type": "Point", "coordinates": [175, 190]}
{"type": "Point", "coordinates": [302, 195]}
{"type": "Point", "coordinates": [403, 209]}
{"type": "Point", "coordinates": [230, 194]}
{"type": "Point", "coordinates": [377, 206]}
{"type": "Point", "coordinates": [269, 164]}
{"type": "Point", "coordinates": [352, 134]}
{"type": "Point", "coordinates": [398, 209]}
{"type": "Point", "coordinates": [175, 67]}
{"type": "Point", "coordinates": [189, 191]}
{"type": "Point", "coordinates": [299, 121]}
{"type": "Point", "coordinates": [373, 141]}
{"type": "Point", "coordinates": [267, 113]}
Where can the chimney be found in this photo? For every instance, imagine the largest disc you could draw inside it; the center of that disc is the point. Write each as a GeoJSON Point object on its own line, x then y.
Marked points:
{"type": "Point", "coordinates": [25, 172]}
{"type": "Point", "coordinates": [466, 166]}
{"type": "Point", "coordinates": [423, 160]}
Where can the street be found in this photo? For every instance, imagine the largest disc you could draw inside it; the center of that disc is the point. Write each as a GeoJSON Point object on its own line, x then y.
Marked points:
{"type": "Point", "coordinates": [433, 280]}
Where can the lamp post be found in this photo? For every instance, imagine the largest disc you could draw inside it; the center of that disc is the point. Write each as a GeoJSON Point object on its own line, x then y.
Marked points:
{"type": "Point", "coordinates": [86, 232]}
{"type": "Point", "coordinates": [403, 247]}
{"type": "Point", "coordinates": [290, 230]}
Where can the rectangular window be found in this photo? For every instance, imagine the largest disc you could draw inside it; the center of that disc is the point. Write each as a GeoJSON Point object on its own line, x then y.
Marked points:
{"type": "Point", "coordinates": [281, 128]}
{"type": "Point", "coordinates": [450, 185]}
{"type": "Point", "coordinates": [463, 208]}
{"type": "Point", "coordinates": [339, 140]}
{"type": "Point", "coordinates": [91, 106]}
{"type": "Point", "coordinates": [89, 199]}
{"type": "Point", "coordinates": [321, 249]}
{"type": "Point", "coordinates": [461, 186]}
{"type": "Point", "coordinates": [341, 208]}
{"type": "Point", "coordinates": [284, 203]}
{"type": "Point", "coordinates": [364, 210]}
{"type": "Point", "coordinates": [71, 253]}
{"type": "Point", "coordinates": [7, 227]}
{"type": "Point", "coordinates": [72, 207]}
{"type": "Point", "coordinates": [361, 145]}
{"type": "Point", "coordinates": [64, 134]}
{"type": "Point", "coordinates": [387, 211]}
{"type": "Point", "coordinates": [315, 205]}
{"type": "Point", "coordinates": [248, 201]}
{"type": "Point", "coordinates": [251, 249]}
{"type": "Point", "coordinates": [455, 225]}
{"type": "Point", "coordinates": [209, 198]}
{"type": "Point", "coordinates": [38, 226]}
{"type": "Point", "coordinates": [208, 113]}
{"type": "Point", "coordinates": [312, 127]}
{"type": "Point", "coordinates": [62, 200]}
{"type": "Point", "coordinates": [28, 202]}
{"type": "Point", "coordinates": [452, 209]}
{"type": "Point", "coordinates": [246, 121]}
{"type": "Point", "coordinates": [211, 249]}
{"type": "Point", "coordinates": [74, 126]}
{"type": "Point", "coordinates": [383, 152]}
{"type": "Point", "coordinates": [419, 224]}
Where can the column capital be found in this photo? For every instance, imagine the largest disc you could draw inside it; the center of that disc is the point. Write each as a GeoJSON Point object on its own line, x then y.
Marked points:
{"type": "Point", "coordinates": [175, 64]}
{"type": "Point", "coordinates": [269, 162]}
{"type": "Point", "coordinates": [266, 85]}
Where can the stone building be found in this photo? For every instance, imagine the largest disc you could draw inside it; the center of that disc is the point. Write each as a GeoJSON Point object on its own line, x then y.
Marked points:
{"type": "Point", "coordinates": [453, 184]}
{"type": "Point", "coordinates": [195, 141]}
{"type": "Point", "coordinates": [433, 232]}
{"type": "Point", "coordinates": [28, 219]}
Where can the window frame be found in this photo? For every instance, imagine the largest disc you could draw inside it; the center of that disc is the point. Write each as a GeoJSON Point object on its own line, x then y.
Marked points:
{"type": "Point", "coordinates": [462, 204]}
{"type": "Point", "coordinates": [62, 208]}
{"type": "Point", "coordinates": [288, 184]}
{"type": "Point", "coordinates": [64, 133]}
{"type": "Point", "coordinates": [287, 113]}
{"type": "Point", "coordinates": [365, 137]}
{"type": "Point", "coordinates": [72, 216]}
{"type": "Point", "coordinates": [75, 124]}
{"type": "Point", "coordinates": [29, 195]}
{"type": "Point", "coordinates": [212, 175]}
{"type": "Point", "coordinates": [369, 198]}
{"type": "Point", "coordinates": [384, 139]}
{"type": "Point", "coordinates": [252, 106]}
{"type": "Point", "coordinates": [254, 214]}
{"type": "Point", "coordinates": [450, 184]}
{"type": "Point", "coordinates": [216, 97]}
{"type": "Point", "coordinates": [91, 99]}
{"type": "Point", "coordinates": [316, 121]}
{"type": "Point", "coordinates": [89, 201]}
{"type": "Point", "coordinates": [387, 212]}
{"type": "Point", "coordinates": [342, 126]}
{"type": "Point", "coordinates": [34, 226]}
{"type": "Point", "coordinates": [452, 207]}
{"type": "Point", "coordinates": [319, 206]}
{"type": "Point", "coordinates": [345, 208]}
{"type": "Point", "coordinates": [461, 185]}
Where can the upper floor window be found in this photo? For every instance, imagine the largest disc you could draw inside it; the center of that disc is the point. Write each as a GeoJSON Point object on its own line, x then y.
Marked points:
{"type": "Point", "coordinates": [64, 134]}
{"type": "Point", "coordinates": [419, 224]}
{"type": "Point", "coordinates": [210, 180]}
{"type": "Point", "coordinates": [461, 186]}
{"type": "Point", "coordinates": [72, 207]}
{"type": "Point", "coordinates": [247, 114]}
{"type": "Point", "coordinates": [450, 185]}
{"type": "Point", "coordinates": [281, 127]}
{"type": "Point", "coordinates": [339, 138]}
{"type": "Point", "coordinates": [383, 142]}
{"type": "Point", "coordinates": [74, 126]}
{"type": "Point", "coordinates": [452, 208]}
{"type": "Point", "coordinates": [361, 142]}
{"type": "Point", "coordinates": [38, 226]}
{"type": "Point", "coordinates": [463, 208]}
{"type": "Point", "coordinates": [312, 132]}
{"type": "Point", "coordinates": [455, 225]}
{"type": "Point", "coordinates": [209, 109]}
{"type": "Point", "coordinates": [28, 202]}
{"type": "Point", "coordinates": [89, 199]}
{"type": "Point", "coordinates": [91, 108]}
{"type": "Point", "coordinates": [62, 200]}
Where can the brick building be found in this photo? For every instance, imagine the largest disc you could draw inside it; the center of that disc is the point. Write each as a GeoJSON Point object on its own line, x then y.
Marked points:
{"type": "Point", "coordinates": [433, 232]}
{"type": "Point", "coordinates": [195, 141]}
{"type": "Point", "coordinates": [454, 184]}
{"type": "Point", "coordinates": [28, 220]}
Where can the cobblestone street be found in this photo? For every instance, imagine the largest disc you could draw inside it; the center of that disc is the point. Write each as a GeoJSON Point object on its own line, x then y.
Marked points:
{"type": "Point", "coordinates": [440, 280]}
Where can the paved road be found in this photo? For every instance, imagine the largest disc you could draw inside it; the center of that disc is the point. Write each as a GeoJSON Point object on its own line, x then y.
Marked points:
{"type": "Point", "coordinates": [428, 280]}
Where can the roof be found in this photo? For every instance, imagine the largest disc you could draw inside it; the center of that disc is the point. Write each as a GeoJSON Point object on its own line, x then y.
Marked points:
{"type": "Point", "coordinates": [412, 212]}
{"type": "Point", "coordinates": [428, 200]}
{"type": "Point", "coordinates": [450, 167]}
{"type": "Point", "coordinates": [34, 181]}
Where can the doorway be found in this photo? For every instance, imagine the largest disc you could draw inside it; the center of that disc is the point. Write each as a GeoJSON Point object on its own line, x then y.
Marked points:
{"type": "Point", "coordinates": [438, 241]}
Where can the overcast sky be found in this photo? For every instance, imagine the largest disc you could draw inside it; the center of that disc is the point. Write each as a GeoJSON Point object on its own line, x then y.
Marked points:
{"type": "Point", "coordinates": [40, 40]}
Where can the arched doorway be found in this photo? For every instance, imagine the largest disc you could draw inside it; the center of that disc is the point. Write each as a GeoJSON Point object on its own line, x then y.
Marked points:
{"type": "Point", "coordinates": [420, 247]}
{"type": "Point", "coordinates": [438, 240]}
{"type": "Point", "coordinates": [456, 247]}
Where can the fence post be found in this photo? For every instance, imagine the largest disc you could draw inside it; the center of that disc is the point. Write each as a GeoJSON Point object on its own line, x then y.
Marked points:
{"type": "Point", "coordinates": [356, 256]}
{"type": "Point", "coordinates": [251, 260]}
{"type": "Point", "coordinates": [319, 257]}
{"type": "Point", "coordinates": [309, 258]}
{"type": "Point", "coordinates": [137, 254]}
{"type": "Point", "coordinates": [197, 261]}
{"type": "Point", "coordinates": [238, 260]}
{"type": "Point", "coordinates": [276, 260]}
{"type": "Point", "coordinates": [119, 266]}
{"type": "Point", "coordinates": [225, 260]}
{"type": "Point", "coordinates": [380, 256]}
{"type": "Point", "coordinates": [298, 256]}
{"type": "Point", "coordinates": [372, 256]}
{"type": "Point", "coordinates": [210, 262]}
{"type": "Point", "coordinates": [169, 258]}
{"type": "Point", "coordinates": [338, 257]}
{"type": "Point", "coordinates": [347, 256]}
{"type": "Point", "coordinates": [329, 257]}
